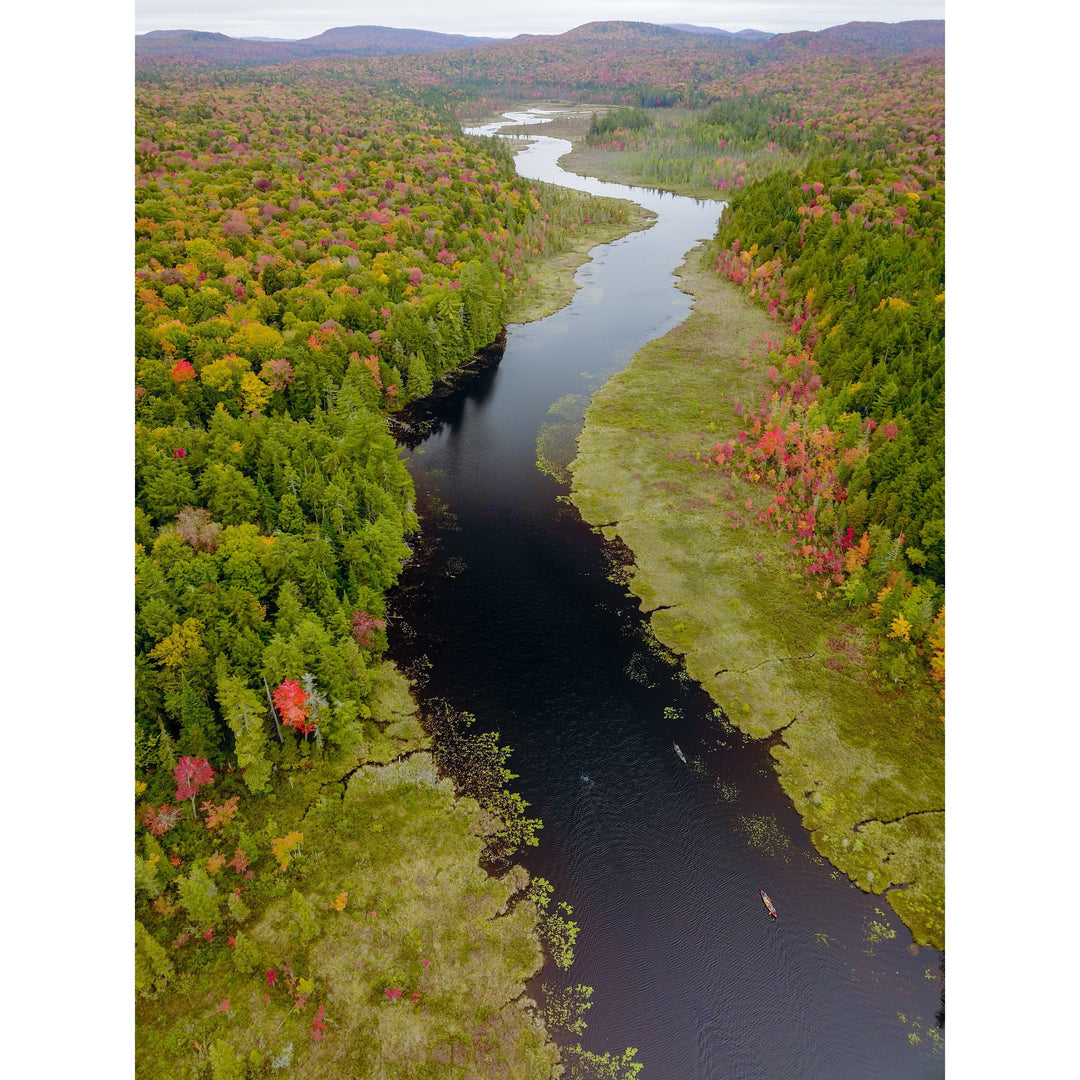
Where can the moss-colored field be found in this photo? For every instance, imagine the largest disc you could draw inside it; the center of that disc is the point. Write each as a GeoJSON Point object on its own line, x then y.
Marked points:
{"type": "Point", "coordinates": [864, 765]}
{"type": "Point", "coordinates": [384, 894]}
{"type": "Point", "coordinates": [668, 158]}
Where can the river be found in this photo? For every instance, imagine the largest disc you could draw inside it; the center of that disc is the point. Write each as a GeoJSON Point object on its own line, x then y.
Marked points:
{"type": "Point", "coordinates": [510, 612]}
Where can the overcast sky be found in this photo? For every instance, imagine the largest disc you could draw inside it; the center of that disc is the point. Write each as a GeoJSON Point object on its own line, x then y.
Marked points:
{"type": "Point", "coordinates": [497, 18]}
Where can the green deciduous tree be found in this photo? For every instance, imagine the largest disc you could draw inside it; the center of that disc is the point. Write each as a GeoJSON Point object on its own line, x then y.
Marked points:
{"type": "Point", "coordinates": [238, 910]}
{"type": "Point", "coordinates": [226, 1063]}
{"type": "Point", "coordinates": [246, 954]}
{"type": "Point", "coordinates": [305, 926]}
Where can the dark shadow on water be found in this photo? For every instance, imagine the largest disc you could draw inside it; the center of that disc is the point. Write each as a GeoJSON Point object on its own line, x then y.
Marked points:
{"type": "Point", "coordinates": [446, 406]}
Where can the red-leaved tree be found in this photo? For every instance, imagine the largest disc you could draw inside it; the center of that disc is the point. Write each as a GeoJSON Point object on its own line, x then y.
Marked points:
{"type": "Point", "coordinates": [364, 627]}
{"type": "Point", "coordinates": [190, 775]}
{"type": "Point", "coordinates": [182, 371]}
{"type": "Point", "coordinates": [291, 701]}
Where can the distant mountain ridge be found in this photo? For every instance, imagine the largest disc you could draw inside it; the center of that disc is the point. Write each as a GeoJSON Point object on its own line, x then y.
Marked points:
{"type": "Point", "coordinates": [745, 35]}
{"type": "Point", "coordinates": [183, 35]}
{"type": "Point", "coordinates": [387, 40]}
{"type": "Point", "coordinates": [614, 41]}
{"type": "Point", "coordinates": [349, 40]}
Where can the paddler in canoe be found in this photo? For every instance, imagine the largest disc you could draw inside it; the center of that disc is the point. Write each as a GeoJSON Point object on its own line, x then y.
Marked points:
{"type": "Point", "coordinates": [768, 903]}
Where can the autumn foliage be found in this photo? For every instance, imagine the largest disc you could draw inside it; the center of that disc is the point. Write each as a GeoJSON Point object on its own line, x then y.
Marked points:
{"type": "Point", "coordinates": [313, 253]}
{"type": "Point", "coordinates": [190, 775]}
{"type": "Point", "coordinates": [846, 254]}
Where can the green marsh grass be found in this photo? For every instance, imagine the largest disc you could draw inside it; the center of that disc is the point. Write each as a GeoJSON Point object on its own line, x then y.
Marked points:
{"type": "Point", "coordinates": [386, 893]}
{"type": "Point", "coordinates": [862, 762]}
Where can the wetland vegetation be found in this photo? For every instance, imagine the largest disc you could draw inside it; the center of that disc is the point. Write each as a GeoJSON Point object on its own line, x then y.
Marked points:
{"type": "Point", "coordinates": [310, 257]}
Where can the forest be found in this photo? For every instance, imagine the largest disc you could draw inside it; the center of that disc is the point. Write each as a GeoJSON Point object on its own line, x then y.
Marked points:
{"type": "Point", "coordinates": [312, 255]}
{"type": "Point", "coordinates": [835, 226]}
{"type": "Point", "coordinates": [848, 254]}
{"type": "Point", "coordinates": [309, 259]}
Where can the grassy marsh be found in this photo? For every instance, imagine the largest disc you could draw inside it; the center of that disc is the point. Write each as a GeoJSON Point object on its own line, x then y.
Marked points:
{"type": "Point", "coordinates": [863, 764]}
{"type": "Point", "coordinates": [383, 927]}
{"type": "Point", "coordinates": [675, 154]}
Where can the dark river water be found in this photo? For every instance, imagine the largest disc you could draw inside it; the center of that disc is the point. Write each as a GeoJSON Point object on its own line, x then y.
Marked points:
{"type": "Point", "coordinates": [509, 612]}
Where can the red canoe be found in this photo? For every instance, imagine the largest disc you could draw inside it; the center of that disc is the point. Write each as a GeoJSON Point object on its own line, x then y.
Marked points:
{"type": "Point", "coordinates": [768, 903]}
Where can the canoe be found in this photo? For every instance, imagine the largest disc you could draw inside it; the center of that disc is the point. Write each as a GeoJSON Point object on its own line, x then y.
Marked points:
{"type": "Point", "coordinates": [768, 903]}
{"type": "Point", "coordinates": [682, 756]}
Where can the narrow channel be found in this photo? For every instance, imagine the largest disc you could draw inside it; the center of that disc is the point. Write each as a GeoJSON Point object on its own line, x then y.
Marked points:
{"type": "Point", "coordinates": [511, 612]}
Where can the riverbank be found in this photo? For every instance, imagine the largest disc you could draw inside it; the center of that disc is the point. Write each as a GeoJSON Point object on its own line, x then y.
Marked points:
{"type": "Point", "coordinates": [385, 940]}
{"type": "Point", "coordinates": [863, 765]}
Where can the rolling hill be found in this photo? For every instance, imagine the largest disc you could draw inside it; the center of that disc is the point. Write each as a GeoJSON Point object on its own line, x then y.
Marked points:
{"type": "Point", "coordinates": [619, 43]}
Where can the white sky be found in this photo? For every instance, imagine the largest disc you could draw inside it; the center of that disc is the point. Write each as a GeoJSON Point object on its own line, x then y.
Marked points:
{"type": "Point", "coordinates": [496, 18]}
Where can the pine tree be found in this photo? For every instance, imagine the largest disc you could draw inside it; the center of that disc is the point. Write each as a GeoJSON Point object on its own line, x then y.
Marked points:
{"type": "Point", "coordinates": [146, 877]}
{"type": "Point", "coordinates": [290, 515]}
{"type": "Point", "coordinates": [199, 735]}
{"type": "Point", "coordinates": [152, 963]}
{"type": "Point", "coordinates": [268, 507]}
{"type": "Point", "coordinates": [199, 897]}
{"type": "Point", "coordinates": [418, 380]}
{"type": "Point", "coordinates": [245, 714]}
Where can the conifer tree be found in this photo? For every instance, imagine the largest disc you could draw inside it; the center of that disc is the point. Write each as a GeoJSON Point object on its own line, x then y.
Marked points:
{"type": "Point", "coordinates": [151, 960]}
{"type": "Point", "coordinates": [290, 516]}
{"type": "Point", "coordinates": [199, 897]}
{"type": "Point", "coordinates": [199, 735]}
{"type": "Point", "coordinates": [146, 877]}
{"type": "Point", "coordinates": [245, 714]}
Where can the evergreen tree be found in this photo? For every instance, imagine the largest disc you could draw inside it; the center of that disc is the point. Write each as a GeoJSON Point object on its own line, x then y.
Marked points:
{"type": "Point", "coordinates": [245, 713]}
{"type": "Point", "coordinates": [290, 516]}
{"type": "Point", "coordinates": [418, 382]}
{"type": "Point", "coordinates": [199, 897]}
{"type": "Point", "coordinates": [146, 877]}
{"type": "Point", "coordinates": [152, 962]}
{"type": "Point", "coordinates": [199, 736]}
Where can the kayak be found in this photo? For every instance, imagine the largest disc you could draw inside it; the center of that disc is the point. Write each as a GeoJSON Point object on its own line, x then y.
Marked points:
{"type": "Point", "coordinates": [682, 756]}
{"type": "Point", "coordinates": [768, 903]}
